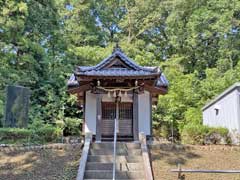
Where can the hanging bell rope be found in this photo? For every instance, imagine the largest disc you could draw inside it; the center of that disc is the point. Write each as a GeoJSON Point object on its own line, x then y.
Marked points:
{"type": "Point", "coordinates": [117, 89]}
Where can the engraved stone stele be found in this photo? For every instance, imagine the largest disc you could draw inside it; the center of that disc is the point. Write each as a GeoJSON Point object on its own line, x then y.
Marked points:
{"type": "Point", "coordinates": [16, 111]}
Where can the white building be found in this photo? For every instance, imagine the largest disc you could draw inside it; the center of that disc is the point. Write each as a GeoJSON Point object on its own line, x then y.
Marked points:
{"type": "Point", "coordinates": [224, 111]}
{"type": "Point", "coordinates": [117, 88]}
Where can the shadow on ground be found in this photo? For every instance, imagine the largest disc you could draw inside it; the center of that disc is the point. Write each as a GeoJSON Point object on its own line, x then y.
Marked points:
{"type": "Point", "coordinates": [166, 157]}
{"type": "Point", "coordinates": [47, 164]}
{"type": "Point", "coordinates": [173, 155]}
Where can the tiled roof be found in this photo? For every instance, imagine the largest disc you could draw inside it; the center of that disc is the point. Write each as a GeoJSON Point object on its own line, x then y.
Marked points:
{"type": "Point", "coordinates": [117, 53]}
{"type": "Point", "coordinates": [162, 81]}
{"type": "Point", "coordinates": [133, 70]}
{"type": "Point", "coordinates": [72, 81]}
{"type": "Point", "coordinates": [115, 72]}
{"type": "Point", "coordinates": [220, 96]}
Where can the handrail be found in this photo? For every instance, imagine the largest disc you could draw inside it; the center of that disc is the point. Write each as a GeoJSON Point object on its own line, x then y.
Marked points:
{"type": "Point", "coordinates": [146, 158]}
{"type": "Point", "coordinates": [182, 176]}
{"type": "Point", "coordinates": [83, 159]}
{"type": "Point", "coordinates": [116, 130]}
{"type": "Point", "coordinates": [114, 149]}
{"type": "Point", "coordinates": [205, 171]}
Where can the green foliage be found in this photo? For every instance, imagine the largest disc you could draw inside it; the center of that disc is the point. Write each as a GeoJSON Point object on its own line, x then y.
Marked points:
{"type": "Point", "coordinates": [199, 134]}
{"type": "Point", "coordinates": [218, 135]}
{"type": "Point", "coordinates": [162, 131]}
{"type": "Point", "coordinates": [14, 135]}
{"type": "Point", "coordinates": [219, 130]}
{"type": "Point", "coordinates": [197, 44]}
{"type": "Point", "coordinates": [193, 134]}
{"type": "Point", "coordinates": [48, 133]}
{"type": "Point", "coordinates": [193, 115]}
{"type": "Point", "coordinates": [42, 133]}
{"type": "Point", "coordinates": [72, 126]}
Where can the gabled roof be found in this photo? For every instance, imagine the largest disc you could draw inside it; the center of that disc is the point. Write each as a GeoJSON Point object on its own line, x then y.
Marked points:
{"type": "Point", "coordinates": [101, 70]}
{"type": "Point", "coordinates": [109, 68]}
{"type": "Point", "coordinates": [223, 94]}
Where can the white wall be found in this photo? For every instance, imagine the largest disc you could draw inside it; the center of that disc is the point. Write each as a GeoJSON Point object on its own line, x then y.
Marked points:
{"type": "Point", "coordinates": [144, 113]}
{"type": "Point", "coordinates": [90, 113]}
{"type": "Point", "coordinates": [228, 115]}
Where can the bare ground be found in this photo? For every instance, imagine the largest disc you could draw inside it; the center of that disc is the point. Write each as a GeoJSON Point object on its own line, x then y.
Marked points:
{"type": "Point", "coordinates": [62, 164]}
{"type": "Point", "coordinates": [42, 164]}
{"type": "Point", "coordinates": [215, 157]}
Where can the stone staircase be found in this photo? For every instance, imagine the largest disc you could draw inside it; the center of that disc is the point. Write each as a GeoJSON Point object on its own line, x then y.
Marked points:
{"type": "Point", "coordinates": [129, 161]}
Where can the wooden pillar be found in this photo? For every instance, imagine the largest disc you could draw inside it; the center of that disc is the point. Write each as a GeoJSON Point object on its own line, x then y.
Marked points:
{"type": "Point", "coordinates": [150, 102]}
{"type": "Point", "coordinates": [99, 117]}
{"type": "Point", "coordinates": [135, 117]}
{"type": "Point", "coordinates": [84, 113]}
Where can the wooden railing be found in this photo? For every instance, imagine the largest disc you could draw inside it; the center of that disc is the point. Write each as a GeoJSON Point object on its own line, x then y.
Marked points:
{"type": "Point", "coordinates": [181, 176]}
{"type": "Point", "coordinates": [84, 155]}
{"type": "Point", "coordinates": [145, 155]}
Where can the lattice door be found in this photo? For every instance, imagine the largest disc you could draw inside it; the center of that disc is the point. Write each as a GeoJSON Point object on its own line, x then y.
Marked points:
{"type": "Point", "coordinates": [125, 118]}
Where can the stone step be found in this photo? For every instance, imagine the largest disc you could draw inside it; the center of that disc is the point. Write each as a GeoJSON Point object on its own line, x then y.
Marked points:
{"type": "Point", "coordinates": [119, 166]}
{"type": "Point", "coordinates": [119, 139]}
{"type": "Point", "coordinates": [110, 179]}
{"type": "Point", "coordinates": [109, 145]}
{"type": "Point", "coordinates": [98, 174]}
{"type": "Point", "coordinates": [119, 159]}
{"type": "Point", "coordinates": [120, 151]}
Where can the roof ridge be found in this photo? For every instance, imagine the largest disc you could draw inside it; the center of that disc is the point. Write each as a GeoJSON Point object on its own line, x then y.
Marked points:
{"type": "Point", "coordinates": [220, 95]}
{"type": "Point", "coordinates": [118, 52]}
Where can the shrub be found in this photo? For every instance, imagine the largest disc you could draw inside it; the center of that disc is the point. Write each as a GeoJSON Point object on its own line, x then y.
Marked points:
{"type": "Point", "coordinates": [220, 130]}
{"type": "Point", "coordinates": [193, 134]}
{"type": "Point", "coordinates": [199, 134]}
{"type": "Point", "coordinates": [165, 129]}
{"type": "Point", "coordinates": [14, 135]}
{"type": "Point", "coordinates": [160, 130]}
{"type": "Point", "coordinates": [44, 132]}
{"type": "Point", "coordinates": [193, 115]}
{"type": "Point", "coordinates": [72, 126]}
{"type": "Point", "coordinates": [48, 133]}
{"type": "Point", "coordinates": [217, 135]}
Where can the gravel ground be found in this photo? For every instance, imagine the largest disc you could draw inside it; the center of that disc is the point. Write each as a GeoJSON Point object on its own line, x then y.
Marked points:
{"type": "Point", "coordinates": [215, 157]}
{"type": "Point", "coordinates": [42, 164]}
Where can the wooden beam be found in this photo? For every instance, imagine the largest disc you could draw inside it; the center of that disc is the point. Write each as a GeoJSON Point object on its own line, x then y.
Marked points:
{"type": "Point", "coordinates": [150, 102]}
{"type": "Point", "coordinates": [79, 89]}
{"type": "Point", "coordinates": [156, 90]}
{"type": "Point", "coordinates": [99, 117]}
{"type": "Point", "coordinates": [93, 77]}
{"type": "Point", "coordinates": [84, 113]}
{"type": "Point", "coordinates": [135, 117]}
{"type": "Point", "coordinates": [117, 61]}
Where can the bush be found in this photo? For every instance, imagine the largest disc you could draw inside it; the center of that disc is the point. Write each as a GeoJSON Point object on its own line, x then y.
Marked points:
{"type": "Point", "coordinates": [193, 115]}
{"type": "Point", "coordinates": [48, 133]}
{"type": "Point", "coordinates": [161, 130]}
{"type": "Point", "coordinates": [38, 132]}
{"type": "Point", "coordinates": [220, 130]}
{"type": "Point", "coordinates": [193, 134]}
{"type": "Point", "coordinates": [14, 135]}
{"type": "Point", "coordinates": [199, 134]}
{"type": "Point", "coordinates": [72, 126]}
{"type": "Point", "coordinates": [44, 132]}
{"type": "Point", "coordinates": [217, 135]}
